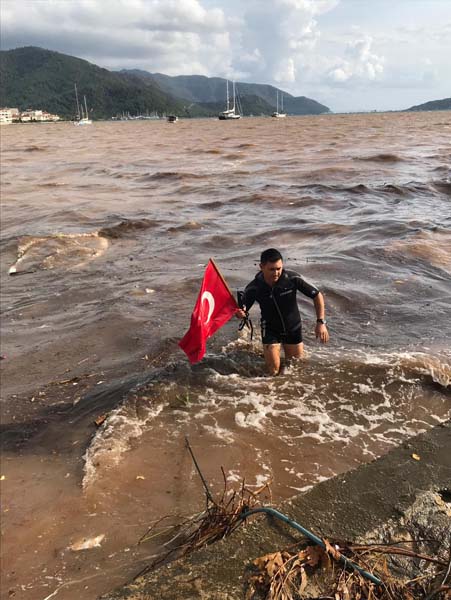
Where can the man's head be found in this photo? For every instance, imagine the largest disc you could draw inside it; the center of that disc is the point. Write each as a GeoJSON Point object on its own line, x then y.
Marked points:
{"type": "Point", "coordinates": [271, 265]}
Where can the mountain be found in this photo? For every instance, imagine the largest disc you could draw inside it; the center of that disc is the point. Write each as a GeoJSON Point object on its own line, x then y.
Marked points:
{"type": "Point", "coordinates": [208, 91]}
{"type": "Point", "coordinates": [444, 104]}
{"type": "Point", "coordinates": [43, 79]}
{"type": "Point", "coordinates": [32, 77]}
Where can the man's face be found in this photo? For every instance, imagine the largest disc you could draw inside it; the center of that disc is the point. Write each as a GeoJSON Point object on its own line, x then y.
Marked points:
{"type": "Point", "coordinates": [272, 271]}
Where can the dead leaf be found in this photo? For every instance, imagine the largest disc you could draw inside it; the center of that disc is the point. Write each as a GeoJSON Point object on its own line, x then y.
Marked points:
{"type": "Point", "coordinates": [332, 551]}
{"type": "Point", "coordinates": [303, 582]}
{"type": "Point", "coordinates": [314, 555]}
{"type": "Point", "coordinates": [100, 419]}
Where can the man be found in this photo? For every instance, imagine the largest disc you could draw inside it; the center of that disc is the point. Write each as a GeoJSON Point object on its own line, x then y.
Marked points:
{"type": "Point", "coordinates": [275, 289]}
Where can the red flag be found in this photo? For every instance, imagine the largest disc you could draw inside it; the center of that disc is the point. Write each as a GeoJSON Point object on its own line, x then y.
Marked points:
{"type": "Point", "coordinates": [214, 307]}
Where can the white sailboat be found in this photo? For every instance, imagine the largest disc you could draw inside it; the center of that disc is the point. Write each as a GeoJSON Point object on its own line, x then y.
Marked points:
{"type": "Point", "coordinates": [278, 114]}
{"type": "Point", "coordinates": [230, 112]}
{"type": "Point", "coordinates": [82, 117]}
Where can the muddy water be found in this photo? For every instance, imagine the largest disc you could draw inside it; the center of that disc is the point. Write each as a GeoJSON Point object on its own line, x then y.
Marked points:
{"type": "Point", "coordinates": [106, 231]}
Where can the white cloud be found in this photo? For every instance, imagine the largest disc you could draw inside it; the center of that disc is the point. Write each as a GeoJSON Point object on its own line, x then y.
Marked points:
{"type": "Point", "coordinates": [278, 32]}
{"type": "Point", "coordinates": [359, 63]}
{"type": "Point", "coordinates": [172, 36]}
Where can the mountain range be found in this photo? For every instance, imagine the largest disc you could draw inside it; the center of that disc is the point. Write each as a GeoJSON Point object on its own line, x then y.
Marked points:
{"type": "Point", "coordinates": [44, 79]}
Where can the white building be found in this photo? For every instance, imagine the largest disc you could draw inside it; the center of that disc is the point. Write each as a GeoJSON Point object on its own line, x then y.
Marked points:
{"type": "Point", "coordinates": [37, 115]}
{"type": "Point", "coordinates": [6, 116]}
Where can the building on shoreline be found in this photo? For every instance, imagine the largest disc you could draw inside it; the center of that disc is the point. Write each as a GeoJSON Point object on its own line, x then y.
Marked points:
{"type": "Point", "coordinates": [14, 115]}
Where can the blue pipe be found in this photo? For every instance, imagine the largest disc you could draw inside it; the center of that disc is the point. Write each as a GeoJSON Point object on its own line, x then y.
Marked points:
{"type": "Point", "coordinates": [346, 562]}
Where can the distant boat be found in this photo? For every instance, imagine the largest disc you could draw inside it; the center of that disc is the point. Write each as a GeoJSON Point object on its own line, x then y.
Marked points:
{"type": "Point", "coordinates": [82, 117]}
{"type": "Point", "coordinates": [278, 114]}
{"type": "Point", "coordinates": [172, 119]}
{"type": "Point", "coordinates": [230, 112]}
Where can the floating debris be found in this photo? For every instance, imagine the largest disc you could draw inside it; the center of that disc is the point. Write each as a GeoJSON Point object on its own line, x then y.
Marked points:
{"type": "Point", "coordinates": [87, 543]}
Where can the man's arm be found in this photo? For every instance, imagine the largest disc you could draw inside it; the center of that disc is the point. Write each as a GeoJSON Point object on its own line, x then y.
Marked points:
{"type": "Point", "coordinates": [321, 331]}
{"type": "Point", "coordinates": [247, 300]}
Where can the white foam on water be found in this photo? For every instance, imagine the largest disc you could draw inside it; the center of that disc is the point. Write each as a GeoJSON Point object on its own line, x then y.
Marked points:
{"type": "Point", "coordinates": [225, 435]}
{"type": "Point", "coordinates": [58, 250]}
{"type": "Point", "coordinates": [346, 405]}
{"type": "Point", "coordinates": [113, 439]}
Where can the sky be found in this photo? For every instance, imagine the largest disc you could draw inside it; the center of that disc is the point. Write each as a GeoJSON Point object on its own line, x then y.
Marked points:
{"type": "Point", "coordinates": [351, 55]}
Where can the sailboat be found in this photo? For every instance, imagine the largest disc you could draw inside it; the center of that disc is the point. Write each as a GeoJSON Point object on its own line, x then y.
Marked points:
{"type": "Point", "coordinates": [230, 112]}
{"type": "Point", "coordinates": [82, 117]}
{"type": "Point", "coordinates": [278, 114]}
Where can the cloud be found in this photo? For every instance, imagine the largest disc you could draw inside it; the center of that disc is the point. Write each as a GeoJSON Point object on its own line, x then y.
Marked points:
{"type": "Point", "coordinates": [316, 48]}
{"type": "Point", "coordinates": [277, 34]}
{"type": "Point", "coordinates": [173, 36]}
{"type": "Point", "coordinates": [359, 63]}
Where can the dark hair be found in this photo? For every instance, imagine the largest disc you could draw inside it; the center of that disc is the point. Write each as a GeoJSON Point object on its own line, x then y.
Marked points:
{"type": "Point", "coordinates": [270, 255]}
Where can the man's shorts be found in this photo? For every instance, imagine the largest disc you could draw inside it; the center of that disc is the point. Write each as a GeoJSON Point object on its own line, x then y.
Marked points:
{"type": "Point", "coordinates": [277, 337]}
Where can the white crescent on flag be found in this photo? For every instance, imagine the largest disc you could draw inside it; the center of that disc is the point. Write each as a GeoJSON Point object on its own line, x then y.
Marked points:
{"type": "Point", "coordinates": [208, 296]}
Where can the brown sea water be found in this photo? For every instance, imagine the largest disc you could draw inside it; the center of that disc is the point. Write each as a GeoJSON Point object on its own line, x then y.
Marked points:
{"type": "Point", "coordinates": [108, 229]}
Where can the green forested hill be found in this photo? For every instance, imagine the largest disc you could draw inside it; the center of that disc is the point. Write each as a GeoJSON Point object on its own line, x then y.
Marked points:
{"type": "Point", "coordinates": [256, 98]}
{"type": "Point", "coordinates": [42, 79]}
{"type": "Point", "coordinates": [32, 77]}
{"type": "Point", "coordinates": [444, 104]}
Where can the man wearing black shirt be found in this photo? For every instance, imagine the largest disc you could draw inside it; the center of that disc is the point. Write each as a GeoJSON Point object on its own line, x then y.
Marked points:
{"type": "Point", "coordinates": [275, 289]}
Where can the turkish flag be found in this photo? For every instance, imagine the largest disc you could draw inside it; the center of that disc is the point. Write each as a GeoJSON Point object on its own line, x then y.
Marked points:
{"type": "Point", "coordinates": [214, 307]}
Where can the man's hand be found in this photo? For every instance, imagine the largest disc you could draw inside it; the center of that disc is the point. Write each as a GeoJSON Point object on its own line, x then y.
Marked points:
{"type": "Point", "coordinates": [240, 313]}
{"type": "Point", "coordinates": [322, 333]}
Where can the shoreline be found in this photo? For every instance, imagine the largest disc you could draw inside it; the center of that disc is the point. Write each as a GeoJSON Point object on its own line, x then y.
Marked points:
{"type": "Point", "coordinates": [347, 506]}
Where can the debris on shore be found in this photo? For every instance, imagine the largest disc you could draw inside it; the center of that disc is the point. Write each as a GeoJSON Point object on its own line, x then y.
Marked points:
{"type": "Point", "coordinates": [396, 510]}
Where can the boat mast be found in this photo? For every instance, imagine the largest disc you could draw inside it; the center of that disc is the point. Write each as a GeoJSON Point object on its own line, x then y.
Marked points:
{"type": "Point", "coordinates": [78, 105]}
{"type": "Point", "coordinates": [233, 84]}
{"type": "Point", "coordinates": [277, 92]}
{"type": "Point", "coordinates": [86, 107]}
{"type": "Point", "coordinates": [227, 83]}
{"type": "Point", "coordinates": [281, 102]}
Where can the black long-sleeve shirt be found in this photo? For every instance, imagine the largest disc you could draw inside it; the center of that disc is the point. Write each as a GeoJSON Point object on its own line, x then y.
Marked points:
{"type": "Point", "coordinates": [278, 304]}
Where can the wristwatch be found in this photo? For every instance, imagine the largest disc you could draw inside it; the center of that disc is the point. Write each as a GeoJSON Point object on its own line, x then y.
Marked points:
{"type": "Point", "coordinates": [322, 321]}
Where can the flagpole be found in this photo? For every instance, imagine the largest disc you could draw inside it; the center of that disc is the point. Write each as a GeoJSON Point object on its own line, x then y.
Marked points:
{"type": "Point", "coordinates": [223, 280]}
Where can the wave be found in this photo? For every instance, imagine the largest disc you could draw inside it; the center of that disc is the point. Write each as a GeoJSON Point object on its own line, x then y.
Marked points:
{"type": "Point", "coordinates": [355, 402]}
{"type": "Point", "coordinates": [188, 226]}
{"type": "Point", "coordinates": [410, 189]}
{"type": "Point", "coordinates": [113, 439]}
{"type": "Point", "coordinates": [383, 157]}
{"type": "Point", "coordinates": [212, 151]}
{"type": "Point", "coordinates": [51, 184]}
{"type": "Point", "coordinates": [443, 186]}
{"type": "Point", "coordinates": [35, 148]}
{"type": "Point", "coordinates": [170, 176]}
{"type": "Point", "coordinates": [126, 227]}
{"type": "Point", "coordinates": [233, 156]}
{"type": "Point", "coordinates": [434, 247]}
{"type": "Point", "coordinates": [57, 251]}
{"type": "Point", "coordinates": [212, 205]}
